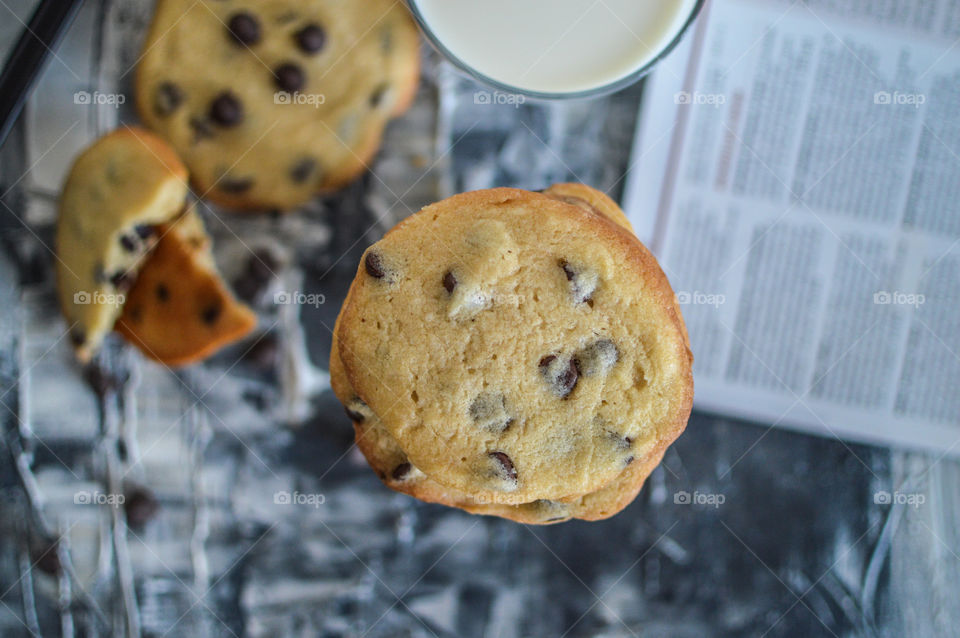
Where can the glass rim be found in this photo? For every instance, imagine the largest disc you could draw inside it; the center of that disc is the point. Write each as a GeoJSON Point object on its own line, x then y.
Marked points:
{"type": "Point", "coordinates": [598, 91]}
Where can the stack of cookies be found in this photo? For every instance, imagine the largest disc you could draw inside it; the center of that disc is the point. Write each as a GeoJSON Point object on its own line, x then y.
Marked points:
{"type": "Point", "coordinates": [516, 354]}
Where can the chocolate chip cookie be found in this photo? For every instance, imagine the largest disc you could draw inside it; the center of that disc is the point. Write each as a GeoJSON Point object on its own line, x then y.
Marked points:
{"type": "Point", "coordinates": [393, 467]}
{"type": "Point", "coordinates": [116, 194]}
{"type": "Point", "coordinates": [518, 346]}
{"type": "Point", "coordinates": [271, 102]}
{"type": "Point", "coordinates": [178, 310]}
{"type": "Point", "coordinates": [132, 255]}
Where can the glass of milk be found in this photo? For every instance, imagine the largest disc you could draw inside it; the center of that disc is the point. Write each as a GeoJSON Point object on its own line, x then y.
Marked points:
{"type": "Point", "coordinates": [555, 48]}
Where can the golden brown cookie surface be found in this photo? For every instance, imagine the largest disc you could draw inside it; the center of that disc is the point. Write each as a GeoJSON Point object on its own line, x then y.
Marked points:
{"type": "Point", "coordinates": [395, 470]}
{"type": "Point", "coordinates": [118, 190]}
{"type": "Point", "coordinates": [518, 347]}
{"type": "Point", "coordinates": [178, 310]}
{"type": "Point", "coordinates": [272, 101]}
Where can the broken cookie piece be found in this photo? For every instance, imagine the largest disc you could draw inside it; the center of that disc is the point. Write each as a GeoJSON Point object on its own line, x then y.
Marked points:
{"type": "Point", "coordinates": [118, 191]}
{"type": "Point", "coordinates": [179, 311]}
{"type": "Point", "coordinates": [123, 230]}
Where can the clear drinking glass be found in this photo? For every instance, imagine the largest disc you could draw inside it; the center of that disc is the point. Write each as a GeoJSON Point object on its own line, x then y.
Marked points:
{"type": "Point", "coordinates": [665, 42]}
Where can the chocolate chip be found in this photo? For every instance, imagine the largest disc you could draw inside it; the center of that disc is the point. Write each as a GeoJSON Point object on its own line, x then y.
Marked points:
{"type": "Point", "coordinates": [289, 77]}
{"type": "Point", "coordinates": [506, 465]}
{"type": "Point", "coordinates": [77, 336]}
{"type": "Point", "coordinates": [140, 507]}
{"type": "Point", "coordinates": [401, 471]}
{"type": "Point", "coordinates": [122, 281]}
{"type": "Point", "coordinates": [374, 265]}
{"type": "Point", "coordinates": [235, 185]}
{"type": "Point", "coordinates": [226, 110]}
{"type": "Point", "coordinates": [618, 440]}
{"type": "Point", "coordinates": [244, 28]}
{"type": "Point", "coordinates": [628, 460]}
{"type": "Point", "coordinates": [311, 38]}
{"type": "Point", "coordinates": [582, 283]}
{"type": "Point", "coordinates": [377, 97]}
{"type": "Point", "coordinates": [211, 313]}
{"type": "Point", "coordinates": [562, 376]}
{"type": "Point", "coordinates": [353, 415]}
{"type": "Point", "coordinates": [167, 99]}
{"type": "Point", "coordinates": [489, 411]}
{"type": "Point", "coordinates": [597, 358]}
{"type": "Point", "coordinates": [144, 231]}
{"type": "Point", "coordinates": [129, 243]}
{"type": "Point", "coordinates": [449, 281]}
{"type": "Point", "coordinates": [162, 292]}
{"type": "Point", "coordinates": [302, 170]}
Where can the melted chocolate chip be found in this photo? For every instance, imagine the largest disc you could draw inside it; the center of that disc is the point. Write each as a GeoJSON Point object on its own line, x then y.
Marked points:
{"type": "Point", "coordinates": [561, 376]}
{"type": "Point", "coordinates": [167, 99]}
{"type": "Point", "coordinates": [449, 281]}
{"type": "Point", "coordinates": [211, 313]}
{"type": "Point", "coordinates": [506, 465]}
{"type": "Point", "coordinates": [401, 471]}
{"type": "Point", "coordinates": [582, 283]}
{"type": "Point", "coordinates": [144, 231]}
{"type": "Point", "coordinates": [162, 292]}
{"type": "Point", "coordinates": [235, 185]}
{"type": "Point", "coordinates": [226, 110]}
{"type": "Point", "coordinates": [489, 411]}
{"type": "Point", "coordinates": [378, 95]}
{"type": "Point", "coordinates": [597, 358]}
{"type": "Point", "coordinates": [374, 265]}
{"type": "Point", "coordinates": [129, 243]}
{"type": "Point", "coordinates": [245, 28]}
{"type": "Point", "coordinates": [353, 415]}
{"type": "Point", "coordinates": [289, 77]}
{"type": "Point", "coordinates": [122, 281]}
{"type": "Point", "coordinates": [302, 170]}
{"type": "Point", "coordinates": [311, 38]}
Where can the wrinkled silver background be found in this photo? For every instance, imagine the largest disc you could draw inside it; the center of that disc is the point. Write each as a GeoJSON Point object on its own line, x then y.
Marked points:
{"type": "Point", "coordinates": [797, 548]}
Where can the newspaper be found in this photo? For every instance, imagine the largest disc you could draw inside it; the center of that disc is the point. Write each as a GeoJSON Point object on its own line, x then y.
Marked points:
{"type": "Point", "coordinates": [797, 171]}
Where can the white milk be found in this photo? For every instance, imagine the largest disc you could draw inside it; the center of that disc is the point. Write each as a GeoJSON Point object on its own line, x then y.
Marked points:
{"type": "Point", "coordinates": [555, 46]}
